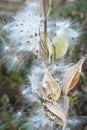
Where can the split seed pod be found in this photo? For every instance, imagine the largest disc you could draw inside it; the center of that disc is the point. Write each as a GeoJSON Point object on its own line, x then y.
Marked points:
{"type": "Point", "coordinates": [51, 90]}
{"type": "Point", "coordinates": [73, 76]}
{"type": "Point", "coordinates": [55, 113]}
{"type": "Point", "coordinates": [55, 49]}
{"type": "Point", "coordinates": [47, 50]}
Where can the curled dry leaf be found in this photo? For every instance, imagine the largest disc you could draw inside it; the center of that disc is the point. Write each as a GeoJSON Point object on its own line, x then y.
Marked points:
{"type": "Point", "coordinates": [50, 90]}
{"type": "Point", "coordinates": [73, 76]}
{"type": "Point", "coordinates": [55, 113]}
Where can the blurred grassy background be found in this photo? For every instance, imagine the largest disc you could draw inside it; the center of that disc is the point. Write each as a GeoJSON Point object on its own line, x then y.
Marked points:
{"type": "Point", "coordinates": [11, 83]}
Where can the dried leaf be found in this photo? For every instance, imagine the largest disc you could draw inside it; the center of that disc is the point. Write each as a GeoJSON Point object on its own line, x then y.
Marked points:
{"type": "Point", "coordinates": [51, 90]}
{"type": "Point", "coordinates": [73, 76]}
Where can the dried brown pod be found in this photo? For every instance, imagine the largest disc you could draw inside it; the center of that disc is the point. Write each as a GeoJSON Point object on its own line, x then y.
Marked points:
{"type": "Point", "coordinates": [73, 76]}
{"type": "Point", "coordinates": [51, 90]}
{"type": "Point", "coordinates": [55, 113]}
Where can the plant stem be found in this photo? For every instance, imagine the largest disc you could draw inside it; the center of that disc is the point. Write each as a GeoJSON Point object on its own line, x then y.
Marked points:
{"type": "Point", "coordinates": [45, 21]}
{"type": "Point", "coordinates": [50, 6]}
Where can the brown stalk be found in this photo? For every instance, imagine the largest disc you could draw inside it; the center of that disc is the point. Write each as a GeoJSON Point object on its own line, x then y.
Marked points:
{"type": "Point", "coordinates": [45, 21]}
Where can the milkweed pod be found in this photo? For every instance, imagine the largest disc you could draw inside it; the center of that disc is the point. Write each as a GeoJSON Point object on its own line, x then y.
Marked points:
{"type": "Point", "coordinates": [55, 113]}
{"type": "Point", "coordinates": [72, 76]}
{"type": "Point", "coordinates": [51, 89]}
{"type": "Point", "coordinates": [50, 50]}
{"type": "Point", "coordinates": [60, 43]}
{"type": "Point", "coordinates": [47, 49]}
{"type": "Point", "coordinates": [57, 48]}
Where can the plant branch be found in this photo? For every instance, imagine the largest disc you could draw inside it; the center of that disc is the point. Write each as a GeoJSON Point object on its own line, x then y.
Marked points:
{"type": "Point", "coordinates": [45, 21]}
{"type": "Point", "coordinates": [50, 6]}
